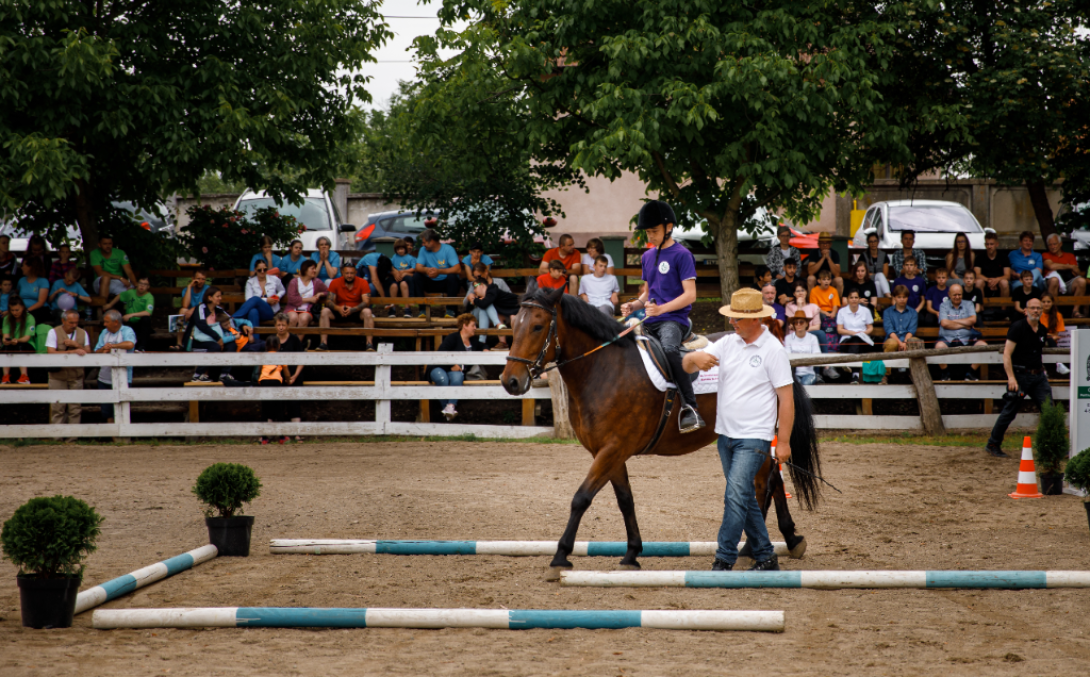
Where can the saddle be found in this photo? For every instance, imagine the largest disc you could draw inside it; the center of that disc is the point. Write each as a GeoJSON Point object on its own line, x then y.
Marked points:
{"type": "Point", "coordinates": [651, 345]}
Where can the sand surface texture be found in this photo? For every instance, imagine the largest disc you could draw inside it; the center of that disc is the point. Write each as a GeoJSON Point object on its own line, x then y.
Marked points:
{"type": "Point", "coordinates": [903, 507]}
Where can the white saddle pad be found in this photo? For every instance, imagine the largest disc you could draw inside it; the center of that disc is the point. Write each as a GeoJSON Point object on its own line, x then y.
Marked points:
{"type": "Point", "coordinates": [708, 382]}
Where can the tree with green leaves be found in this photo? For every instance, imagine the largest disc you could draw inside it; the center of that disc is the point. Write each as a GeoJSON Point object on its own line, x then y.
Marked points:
{"type": "Point", "coordinates": [120, 100]}
{"type": "Point", "coordinates": [720, 108]}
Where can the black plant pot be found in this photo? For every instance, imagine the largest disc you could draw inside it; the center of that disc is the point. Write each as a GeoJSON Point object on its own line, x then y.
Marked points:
{"type": "Point", "coordinates": [48, 602]}
{"type": "Point", "coordinates": [1086, 505]}
{"type": "Point", "coordinates": [1052, 484]}
{"type": "Point", "coordinates": [230, 535]}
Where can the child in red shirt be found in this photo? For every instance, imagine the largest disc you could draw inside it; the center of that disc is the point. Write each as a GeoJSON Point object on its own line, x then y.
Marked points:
{"type": "Point", "coordinates": [556, 278]}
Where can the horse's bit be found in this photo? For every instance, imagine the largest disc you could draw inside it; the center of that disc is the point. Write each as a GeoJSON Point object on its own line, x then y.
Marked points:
{"type": "Point", "coordinates": [538, 365]}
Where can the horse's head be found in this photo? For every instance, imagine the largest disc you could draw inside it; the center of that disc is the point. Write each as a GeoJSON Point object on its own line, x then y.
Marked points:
{"type": "Point", "coordinates": [534, 341]}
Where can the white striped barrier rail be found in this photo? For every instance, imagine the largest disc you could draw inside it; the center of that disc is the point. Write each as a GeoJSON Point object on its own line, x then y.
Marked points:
{"type": "Point", "coordinates": [92, 597]}
{"type": "Point", "coordinates": [830, 580]}
{"type": "Point", "coordinates": [273, 617]}
{"type": "Point", "coordinates": [332, 546]}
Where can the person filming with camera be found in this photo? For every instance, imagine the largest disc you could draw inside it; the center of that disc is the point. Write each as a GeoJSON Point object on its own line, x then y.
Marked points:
{"type": "Point", "coordinates": [1025, 371]}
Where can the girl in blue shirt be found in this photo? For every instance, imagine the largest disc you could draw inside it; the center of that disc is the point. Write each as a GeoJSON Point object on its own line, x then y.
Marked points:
{"type": "Point", "coordinates": [266, 253]}
{"type": "Point", "coordinates": [33, 288]}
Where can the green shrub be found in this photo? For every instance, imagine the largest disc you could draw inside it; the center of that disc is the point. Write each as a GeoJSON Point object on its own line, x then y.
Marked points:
{"type": "Point", "coordinates": [224, 487]}
{"type": "Point", "coordinates": [1078, 471]}
{"type": "Point", "coordinates": [224, 239]}
{"type": "Point", "coordinates": [1051, 446]}
{"type": "Point", "coordinates": [51, 536]}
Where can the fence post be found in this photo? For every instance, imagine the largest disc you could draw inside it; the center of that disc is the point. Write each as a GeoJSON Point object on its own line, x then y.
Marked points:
{"type": "Point", "coordinates": [562, 428]}
{"type": "Point", "coordinates": [930, 414]}
{"type": "Point", "coordinates": [120, 392]}
{"type": "Point", "coordinates": [382, 383]}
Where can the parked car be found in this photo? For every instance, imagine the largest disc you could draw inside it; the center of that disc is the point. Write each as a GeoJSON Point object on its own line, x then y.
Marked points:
{"type": "Point", "coordinates": [73, 236]}
{"type": "Point", "coordinates": [763, 238]}
{"type": "Point", "coordinates": [317, 214]}
{"type": "Point", "coordinates": [390, 224]}
{"type": "Point", "coordinates": [936, 223]}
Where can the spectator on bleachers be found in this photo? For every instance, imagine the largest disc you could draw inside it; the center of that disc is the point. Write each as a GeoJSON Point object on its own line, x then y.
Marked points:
{"type": "Point", "coordinates": [329, 261]}
{"type": "Point", "coordinates": [801, 340]}
{"type": "Point", "coordinates": [68, 337]}
{"type": "Point", "coordinates": [491, 307]}
{"type": "Point", "coordinates": [853, 323]}
{"type": "Point", "coordinates": [782, 253]}
{"type": "Point", "coordinates": [595, 248]}
{"type": "Point", "coordinates": [1025, 259]}
{"type": "Point", "coordinates": [556, 278]}
{"type": "Point", "coordinates": [9, 263]}
{"type": "Point", "coordinates": [600, 289]}
{"type": "Point", "coordinates": [36, 250]}
{"type": "Point", "coordinates": [6, 285]}
{"type": "Point", "coordinates": [569, 257]}
{"type": "Point", "coordinates": [404, 264]}
{"type": "Point", "coordinates": [33, 288]}
{"type": "Point", "coordinates": [304, 294]}
{"type": "Point", "coordinates": [291, 262]}
{"type": "Point", "coordinates": [933, 298]}
{"type": "Point", "coordinates": [66, 293]}
{"type": "Point", "coordinates": [271, 259]}
{"type": "Point", "coordinates": [993, 271]}
{"type": "Point", "coordinates": [272, 376]}
{"type": "Point", "coordinates": [115, 336]}
{"type": "Point", "coordinates": [959, 259]}
{"type": "Point", "coordinates": [824, 258]}
{"type": "Point", "coordinates": [1062, 274]}
{"type": "Point", "coordinates": [877, 264]}
{"type": "Point", "coordinates": [1053, 321]}
{"type": "Point", "coordinates": [916, 284]}
{"type": "Point", "coordinates": [263, 293]}
{"type": "Point", "coordinates": [349, 296]}
{"type": "Point", "coordinates": [900, 322]}
{"type": "Point", "coordinates": [957, 320]}
{"type": "Point", "coordinates": [1021, 296]}
{"type": "Point", "coordinates": [437, 268]}
{"type": "Point", "coordinates": [17, 335]}
{"type": "Point", "coordinates": [972, 293]}
{"type": "Point", "coordinates": [828, 302]}
{"type": "Point", "coordinates": [895, 267]}
{"type": "Point", "coordinates": [62, 264]}
{"type": "Point", "coordinates": [199, 333]}
{"type": "Point", "coordinates": [860, 281]}
{"type": "Point", "coordinates": [768, 295]}
{"type": "Point", "coordinates": [476, 255]}
{"type": "Point", "coordinates": [139, 306]}
{"type": "Point", "coordinates": [785, 286]}
{"type": "Point", "coordinates": [192, 296]}
{"type": "Point", "coordinates": [378, 271]}
{"type": "Point", "coordinates": [454, 375]}
{"type": "Point", "coordinates": [113, 272]}
{"type": "Point", "coordinates": [762, 276]}
{"type": "Point", "coordinates": [800, 303]}
{"type": "Point", "coordinates": [233, 339]}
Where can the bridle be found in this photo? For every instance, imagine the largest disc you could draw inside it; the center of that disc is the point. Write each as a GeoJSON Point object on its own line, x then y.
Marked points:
{"type": "Point", "coordinates": [537, 367]}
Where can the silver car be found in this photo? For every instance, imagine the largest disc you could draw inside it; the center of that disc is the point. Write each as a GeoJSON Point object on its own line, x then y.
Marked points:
{"type": "Point", "coordinates": [935, 222]}
{"type": "Point", "coordinates": [317, 214]}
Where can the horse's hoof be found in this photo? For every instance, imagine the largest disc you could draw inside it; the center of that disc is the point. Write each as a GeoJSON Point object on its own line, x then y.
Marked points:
{"type": "Point", "coordinates": [634, 566]}
{"type": "Point", "coordinates": [799, 550]}
{"type": "Point", "coordinates": [552, 573]}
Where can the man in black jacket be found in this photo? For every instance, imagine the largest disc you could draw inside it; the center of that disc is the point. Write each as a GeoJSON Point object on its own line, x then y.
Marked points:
{"type": "Point", "coordinates": [1025, 371]}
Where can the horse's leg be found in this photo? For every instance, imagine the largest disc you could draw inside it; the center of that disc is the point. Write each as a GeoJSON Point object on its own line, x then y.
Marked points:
{"type": "Point", "coordinates": [764, 499]}
{"type": "Point", "coordinates": [605, 464]}
{"type": "Point", "coordinates": [796, 544]}
{"type": "Point", "coordinates": [623, 489]}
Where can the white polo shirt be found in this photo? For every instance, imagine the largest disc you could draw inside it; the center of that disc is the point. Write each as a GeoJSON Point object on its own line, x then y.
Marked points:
{"type": "Point", "coordinates": [854, 322]}
{"type": "Point", "coordinates": [748, 377]}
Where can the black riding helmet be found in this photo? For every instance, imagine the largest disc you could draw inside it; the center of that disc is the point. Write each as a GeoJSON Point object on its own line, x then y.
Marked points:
{"type": "Point", "coordinates": [655, 213]}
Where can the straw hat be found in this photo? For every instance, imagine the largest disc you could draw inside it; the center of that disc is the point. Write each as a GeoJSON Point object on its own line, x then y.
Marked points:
{"type": "Point", "coordinates": [799, 315]}
{"type": "Point", "coordinates": [747, 303]}
{"type": "Point", "coordinates": [825, 237]}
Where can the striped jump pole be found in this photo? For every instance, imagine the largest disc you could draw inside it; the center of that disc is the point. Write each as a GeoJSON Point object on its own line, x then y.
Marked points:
{"type": "Point", "coordinates": [92, 597]}
{"type": "Point", "coordinates": [330, 546]}
{"type": "Point", "coordinates": [831, 580]}
{"type": "Point", "coordinates": [503, 619]}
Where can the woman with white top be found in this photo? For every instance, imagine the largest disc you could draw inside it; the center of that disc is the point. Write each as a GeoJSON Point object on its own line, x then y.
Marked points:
{"type": "Point", "coordinates": [800, 340]}
{"type": "Point", "coordinates": [802, 304]}
{"type": "Point", "coordinates": [303, 294]}
{"type": "Point", "coordinates": [263, 294]}
{"type": "Point", "coordinates": [853, 322]}
{"type": "Point", "coordinates": [596, 248]}
{"type": "Point", "coordinates": [876, 261]}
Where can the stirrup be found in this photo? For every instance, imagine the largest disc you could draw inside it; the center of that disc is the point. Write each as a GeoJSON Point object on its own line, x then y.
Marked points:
{"type": "Point", "coordinates": [692, 428]}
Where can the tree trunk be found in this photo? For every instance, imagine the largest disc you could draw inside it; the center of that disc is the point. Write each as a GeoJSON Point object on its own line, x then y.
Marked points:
{"type": "Point", "coordinates": [562, 428]}
{"type": "Point", "coordinates": [1038, 197]}
{"type": "Point", "coordinates": [85, 216]}
{"type": "Point", "coordinates": [726, 251]}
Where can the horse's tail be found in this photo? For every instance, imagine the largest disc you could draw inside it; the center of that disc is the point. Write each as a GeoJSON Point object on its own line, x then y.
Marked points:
{"type": "Point", "coordinates": [804, 450]}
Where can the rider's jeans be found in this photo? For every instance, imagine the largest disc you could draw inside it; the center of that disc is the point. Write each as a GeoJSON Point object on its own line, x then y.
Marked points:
{"type": "Point", "coordinates": [670, 335]}
{"type": "Point", "coordinates": [741, 459]}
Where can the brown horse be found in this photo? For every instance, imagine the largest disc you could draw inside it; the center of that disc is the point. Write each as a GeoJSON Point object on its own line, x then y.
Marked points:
{"type": "Point", "coordinates": [615, 411]}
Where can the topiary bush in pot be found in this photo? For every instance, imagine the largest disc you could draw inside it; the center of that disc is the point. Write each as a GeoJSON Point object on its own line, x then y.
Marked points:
{"type": "Point", "coordinates": [48, 538]}
{"type": "Point", "coordinates": [224, 488]}
{"type": "Point", "coordinates": [1078, 476]}
{"type": "Point", "coordinates": [1050, 447]}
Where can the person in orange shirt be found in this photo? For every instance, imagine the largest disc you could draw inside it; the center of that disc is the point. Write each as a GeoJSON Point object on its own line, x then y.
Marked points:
{"type": "Point", "coordinates": [555, 278]}
{"type": "Point", "coordinates": [1053, 321]}
{"type": "Point", "coordinates": [569, 257]}
{"type": "Point", "coordinates": [1062, 272]}
{"type": "Point", "coordinates": [826, 298]}
{"type": "Point", "coordinates": [272, 376]}
{"type": "Point", "coordinates": [349, 295]}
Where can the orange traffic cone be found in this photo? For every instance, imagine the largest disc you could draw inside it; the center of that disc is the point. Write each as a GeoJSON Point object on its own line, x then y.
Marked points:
{"type": "Point", "coordinates": [1027, 474]}
{"type": "Point", "coordinates": [775, 440]}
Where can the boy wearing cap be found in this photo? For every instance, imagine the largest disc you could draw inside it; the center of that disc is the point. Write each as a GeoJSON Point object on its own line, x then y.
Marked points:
{"type": "Point", "coordinates": [824, 258]}
{"type": "Point", "coordinates": [777, 256]}
{"type": "Point", "coordinates": [669, 274]}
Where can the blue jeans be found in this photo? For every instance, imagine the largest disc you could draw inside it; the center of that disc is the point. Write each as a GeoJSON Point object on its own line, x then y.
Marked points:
{"type": "Point", "coordinates": [442, 377]}
{"type": "Point", "coordinates": [741, 460]}
{"type": "Point", "coordinates": [823, 339]}
{"type": "Point", "coordinates": [256, 310]}
{"type": "Point", "coordinates": [484, 317]}
{"type": "Point", "coordinates": [806, 379]}
{"type": "Point", "coordinates": [1038, 281]}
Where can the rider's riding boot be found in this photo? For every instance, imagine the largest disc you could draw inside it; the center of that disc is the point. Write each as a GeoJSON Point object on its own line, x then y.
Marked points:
{"type": "Point", "coordinates": [689, 420]}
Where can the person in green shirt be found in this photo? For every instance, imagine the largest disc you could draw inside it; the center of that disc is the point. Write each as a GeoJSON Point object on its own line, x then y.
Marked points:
{"type": "Point", "coordinates": [17, 335]}
{"type": "Point", "coordinates": [139, 305]}
{"type": "Point", "coordinates": [112, 268]}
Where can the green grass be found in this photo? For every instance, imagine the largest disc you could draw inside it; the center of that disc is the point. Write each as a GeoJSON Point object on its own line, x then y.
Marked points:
{"type": "Point", "coordinates": [1012, 441]}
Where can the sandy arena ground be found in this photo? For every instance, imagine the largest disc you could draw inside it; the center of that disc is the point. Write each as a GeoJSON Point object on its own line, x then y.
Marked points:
{"type": "Point", "coordinates": [904, 507]}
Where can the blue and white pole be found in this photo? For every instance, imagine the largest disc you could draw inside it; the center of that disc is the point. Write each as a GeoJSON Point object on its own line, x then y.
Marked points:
{"type": "Point", "coordinates": [329, 546]}
{"type": "Point", "coordinates": [92, 597]}
{"type": "Point", "coordinates": [830, 580]}
{"type": "Point", "coordinates": [272, 617]}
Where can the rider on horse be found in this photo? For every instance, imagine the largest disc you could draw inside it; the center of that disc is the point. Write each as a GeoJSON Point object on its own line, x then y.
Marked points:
{"type": "Point", "coordinates": [669, 272]}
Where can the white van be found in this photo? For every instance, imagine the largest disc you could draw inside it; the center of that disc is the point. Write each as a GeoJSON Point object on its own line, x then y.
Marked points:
{"type": "Point", "coordinates": [317, 213]}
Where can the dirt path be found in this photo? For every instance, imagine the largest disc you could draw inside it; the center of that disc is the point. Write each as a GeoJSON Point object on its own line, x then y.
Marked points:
{"type": "Point", "coordinates": [907, 507]}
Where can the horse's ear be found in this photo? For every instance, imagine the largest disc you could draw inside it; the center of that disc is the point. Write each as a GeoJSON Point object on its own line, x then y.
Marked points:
{"type": "Point", "coordinates": [555, 295]}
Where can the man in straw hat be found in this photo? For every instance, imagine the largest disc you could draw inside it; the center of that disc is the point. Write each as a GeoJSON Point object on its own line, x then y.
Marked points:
{"type": "Point", "coordinates": [755, 402]}
{"type": "Point", "coordinates": [669, 272]}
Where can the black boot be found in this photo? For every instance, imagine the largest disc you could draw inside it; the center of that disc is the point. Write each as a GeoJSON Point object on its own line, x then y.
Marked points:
{"type": "Point", "coordinates": [689, 420]}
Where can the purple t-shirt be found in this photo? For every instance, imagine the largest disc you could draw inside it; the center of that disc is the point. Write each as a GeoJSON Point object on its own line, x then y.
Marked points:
{"type": "Point", "coordinates": [664, 282]}
{"type": "Point", "coordinates": [917, 287]}
{"type": "Point", "coordinates": [936, 296]}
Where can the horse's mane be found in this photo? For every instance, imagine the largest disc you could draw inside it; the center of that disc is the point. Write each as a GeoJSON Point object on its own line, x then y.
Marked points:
{"type": "Point", "coordinates": [584, 317]}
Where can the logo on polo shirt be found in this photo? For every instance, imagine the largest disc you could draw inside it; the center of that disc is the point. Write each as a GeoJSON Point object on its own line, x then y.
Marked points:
{"type": "Point", "coordinates": [664, 267]}
{"type": "Point", "coordinates": [755, 361]}
{"type": "Point", "coordinates": [915, 288]}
